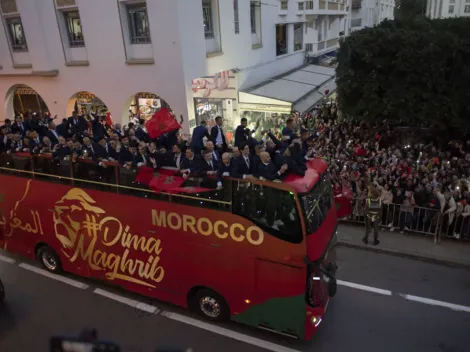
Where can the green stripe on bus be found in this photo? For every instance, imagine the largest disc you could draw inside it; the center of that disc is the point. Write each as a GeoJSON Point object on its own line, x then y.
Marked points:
{"type": "Point", "coordinates": [285, 315]}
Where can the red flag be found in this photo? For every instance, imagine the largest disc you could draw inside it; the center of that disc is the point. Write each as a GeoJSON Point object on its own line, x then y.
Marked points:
{"type": "Point", "coordinates": [161, 122]}
{"type": "Point", "coordinates": [145, 175]}
{"type": "Point", "coordinates": [109, 119]}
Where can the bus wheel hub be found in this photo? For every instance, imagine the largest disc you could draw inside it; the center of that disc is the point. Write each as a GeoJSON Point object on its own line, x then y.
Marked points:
{"type": "Point", "coordinates": [210, 307]}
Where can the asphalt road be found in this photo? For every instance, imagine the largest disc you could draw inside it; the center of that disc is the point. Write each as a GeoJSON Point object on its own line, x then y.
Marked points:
{"type": "Point", "coordinates": [371, 312]}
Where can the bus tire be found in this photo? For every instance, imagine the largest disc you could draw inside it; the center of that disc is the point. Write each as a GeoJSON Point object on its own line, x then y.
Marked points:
{"type": "Point", "coordinates": [210, 305]}
{"type": "Point", "coordinates": [49, 259]}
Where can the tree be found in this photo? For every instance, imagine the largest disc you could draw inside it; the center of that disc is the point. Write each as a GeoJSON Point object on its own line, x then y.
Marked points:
{"type": "Point", "coordinates": [417, 71]}
{"type": "Point", "coordinates": [410, 8]}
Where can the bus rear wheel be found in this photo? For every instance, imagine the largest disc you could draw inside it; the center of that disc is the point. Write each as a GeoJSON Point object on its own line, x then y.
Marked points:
{"type": "Point", "coordinates": [210, 305]}
{"type": "Point", "coordinates": [49, 259]}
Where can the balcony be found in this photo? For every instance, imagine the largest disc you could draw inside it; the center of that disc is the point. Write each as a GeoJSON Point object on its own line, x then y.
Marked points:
{"type": "Point", "coordinates": [325, 7]}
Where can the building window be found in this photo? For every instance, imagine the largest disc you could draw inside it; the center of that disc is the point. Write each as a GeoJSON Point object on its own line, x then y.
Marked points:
{"type": "Point", "coordinates": [309, 5]}
{"type": "Point", "coordinates": [207, 17]}
{"type": "Point", "coordinates": [253, 17]}
{"type": "Point", "coordinates": [235, 16]}
{"type": "Point", "coordinates": [466, 9]}
{"type": "Point", "coordinates": [139, 30]}
{"type": "Point", "coordinates": [301, 6]}
{"type": "Point", "coordinates": [309, 47]}
{"type": "Point", "coordinates": [281, 39]}
{"type": "Point", "coordinates": [298, 36]}
{"type": "Point", "coordinates": [74, 29]}
{"type": "Point", "coordinates": [284, 5]}
{"type": "Point", "coordinates": [15, 30]}
{"type": "Point", "coordinates": [451, 8]}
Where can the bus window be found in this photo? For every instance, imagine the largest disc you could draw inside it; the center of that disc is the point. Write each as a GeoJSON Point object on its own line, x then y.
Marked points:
{"type": "Point", "coordinates": [272, 209]}
{"type": "Point", "coordinates": [317, 203]}
{"type": "Point", "coordinates": [44, 167]}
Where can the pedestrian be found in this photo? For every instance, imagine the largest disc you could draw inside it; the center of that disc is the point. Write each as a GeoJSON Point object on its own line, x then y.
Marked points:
{"type": "Point", "coordinates": [373, 211]}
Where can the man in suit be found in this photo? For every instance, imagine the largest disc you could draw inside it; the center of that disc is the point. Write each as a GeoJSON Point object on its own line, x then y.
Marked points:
{"type": "Point", "coordinates": [34, 143]}
{"type": "Point", "coordinates": [52, 133]}
{"type": "Point", "coordinates": [267, 170]}
{"type": "Point", "coordinates": [62, 129]}
{"type": "Point", "coordinates": [104, 152]}
{"type": "Point", "coordinates": [214, 153]}
{"type": "Point", "coordinates": [242, 133]}
{"type": "Point", "coordinates": [257, 158]}
{"type": "Point", "coordinates": [76, 124]}
{"type": "Point", "coordinates": [189, 166]}
{"type": "Point", "coordinates": [7, 125]}
{"type": "Point", "coordinates": [127, 155]}
{"type": "Point", "coordinates": [243, 165]}
{"type": "Point", "coordinates": [175, 158]}
{"type": "Point", "coordinates": [18, 126]}
{"type": "Point", "coordinates": [98, 128]}
{"type": "Point", "coordinates": [224, 169]}
{"type": "Point", "coordinates": [61, 149]}
{"type": "Point", "coordinates": [218, 136]}
{"type": "Point", "coordinates": [141, 132]}
{"type": "Point", "coordinates": [197, 140]}
{"type": "Point", "coordinates": [288, 134]}
{"type": "Point", "coordinates": [206, 166]}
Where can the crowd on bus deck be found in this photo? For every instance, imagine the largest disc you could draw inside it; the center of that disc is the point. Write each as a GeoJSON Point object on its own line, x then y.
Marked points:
{"type": "Point", "coordinates": [418, 177]}
{"type": "Point", "coordinates": [206, 152]}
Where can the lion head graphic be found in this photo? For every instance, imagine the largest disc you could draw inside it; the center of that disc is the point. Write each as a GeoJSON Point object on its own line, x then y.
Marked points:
{"type": "Point", "coordinates": [70, 212]}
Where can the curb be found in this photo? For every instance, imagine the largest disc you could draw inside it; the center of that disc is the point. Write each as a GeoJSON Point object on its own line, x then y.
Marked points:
{"type": "Point", "coordinates": [413, 256]}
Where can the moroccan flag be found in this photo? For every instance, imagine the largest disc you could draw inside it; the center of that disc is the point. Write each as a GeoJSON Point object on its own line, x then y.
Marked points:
{"type": "Point", "coordinates": [109, 119]}
{"type": "Point", "coordinates": [161, 122]}
{"type": "Point", "coordinates": [145, 175]}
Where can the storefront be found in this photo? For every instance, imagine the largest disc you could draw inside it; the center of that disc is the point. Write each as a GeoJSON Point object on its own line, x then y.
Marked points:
{"type": "Point", "coordinates": [27, 99]}
{"type": "Point", "coordinates": [87, 102]}
{"type": "Point", "coordinates": [216, 96]}
{"type": "Point", "coordinates": [273, 101]}
{"type": "Point", "coordinates": [145, 105]}
{"type": "Point", "coordinates": [270, 114]}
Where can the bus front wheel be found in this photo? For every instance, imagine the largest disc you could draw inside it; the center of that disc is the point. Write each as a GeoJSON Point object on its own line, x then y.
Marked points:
{"type": "Point", "coordinates": [49, 259]}
{"type": "Point", "coordinates": [210, 305]}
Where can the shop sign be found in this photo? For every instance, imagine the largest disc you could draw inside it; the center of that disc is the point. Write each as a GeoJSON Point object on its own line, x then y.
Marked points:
{"type": "Point", "coordinates": [266, 108]}
{"type": "Point", "coordinates": [8, 6]}
{"type": "Point", "coordinates": [205, 86]}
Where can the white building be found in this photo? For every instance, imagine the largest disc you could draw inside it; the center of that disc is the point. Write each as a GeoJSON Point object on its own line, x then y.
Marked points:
{"type": "Point", "coordinates": [201, 57]}
{"type": "Point", "coordinates": [369, 13]}
{"type": "Point", "coordinates": [447, 8]}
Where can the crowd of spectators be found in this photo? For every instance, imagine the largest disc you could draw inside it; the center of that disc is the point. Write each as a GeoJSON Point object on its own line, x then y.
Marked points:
{"type": "Point", "coordinates": [424, 183]}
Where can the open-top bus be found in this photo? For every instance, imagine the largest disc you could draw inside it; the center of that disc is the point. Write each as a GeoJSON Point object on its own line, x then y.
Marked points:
{"type": "Point", "coordinates": [259, 253]}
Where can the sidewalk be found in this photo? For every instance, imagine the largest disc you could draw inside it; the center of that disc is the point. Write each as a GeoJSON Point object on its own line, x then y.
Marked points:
{"type": "Point", "coordinates": [447, 252]}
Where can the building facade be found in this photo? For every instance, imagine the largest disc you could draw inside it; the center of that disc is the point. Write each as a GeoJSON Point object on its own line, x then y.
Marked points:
{"type": "Point", "coordinates": [369, 13]}
{"type": "Point", "coordinates": [447, 8]}
{"type": "Point", "coordinates": [134, 56]}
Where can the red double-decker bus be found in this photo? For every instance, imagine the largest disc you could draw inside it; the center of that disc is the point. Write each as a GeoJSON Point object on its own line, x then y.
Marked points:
{"type": "Point", "coordinates": [259, 253]}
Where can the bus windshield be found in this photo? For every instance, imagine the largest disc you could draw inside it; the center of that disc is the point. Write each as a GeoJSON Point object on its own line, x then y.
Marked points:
{"type": "Point", "coordinates": [317, 203]}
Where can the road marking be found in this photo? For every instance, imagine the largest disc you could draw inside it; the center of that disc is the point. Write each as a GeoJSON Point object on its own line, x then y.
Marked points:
{"type": "Point", "coordinates": [365, 288]}
{"type": "Point", "coordinates": [433, 302]}
{"type": "Point", "coordinates": [228, 333]}
{"type": "Point", "coordinates": [130, 302]}
{"type": "Point", "coordinates": [7, 259]}
{"type": "Point", "coordinates": [60, 278]}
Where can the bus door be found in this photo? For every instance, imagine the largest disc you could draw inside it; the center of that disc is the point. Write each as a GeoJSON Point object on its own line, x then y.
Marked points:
{"type": "Point", "coordinates": [279, 270]}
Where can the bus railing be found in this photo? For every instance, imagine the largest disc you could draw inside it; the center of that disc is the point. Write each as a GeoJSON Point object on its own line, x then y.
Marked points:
{"type": "Point", "coordinates": [85, 172]}
{"type": "Point", "coordinates": [419, 220]}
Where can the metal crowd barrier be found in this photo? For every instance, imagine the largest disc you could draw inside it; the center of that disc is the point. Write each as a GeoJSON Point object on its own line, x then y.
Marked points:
{"type": "Point", "coordinates": [426, 221]}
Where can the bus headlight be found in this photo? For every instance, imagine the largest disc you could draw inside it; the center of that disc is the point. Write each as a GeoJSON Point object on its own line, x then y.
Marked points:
{"type": "Point", "coordinates": [316, 321]}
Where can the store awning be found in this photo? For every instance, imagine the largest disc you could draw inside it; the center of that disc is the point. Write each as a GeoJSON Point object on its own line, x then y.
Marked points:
{"type": "Point", "coordinates": [291, 88]}
{"type": "Point", "coordinates": [309, 101]}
